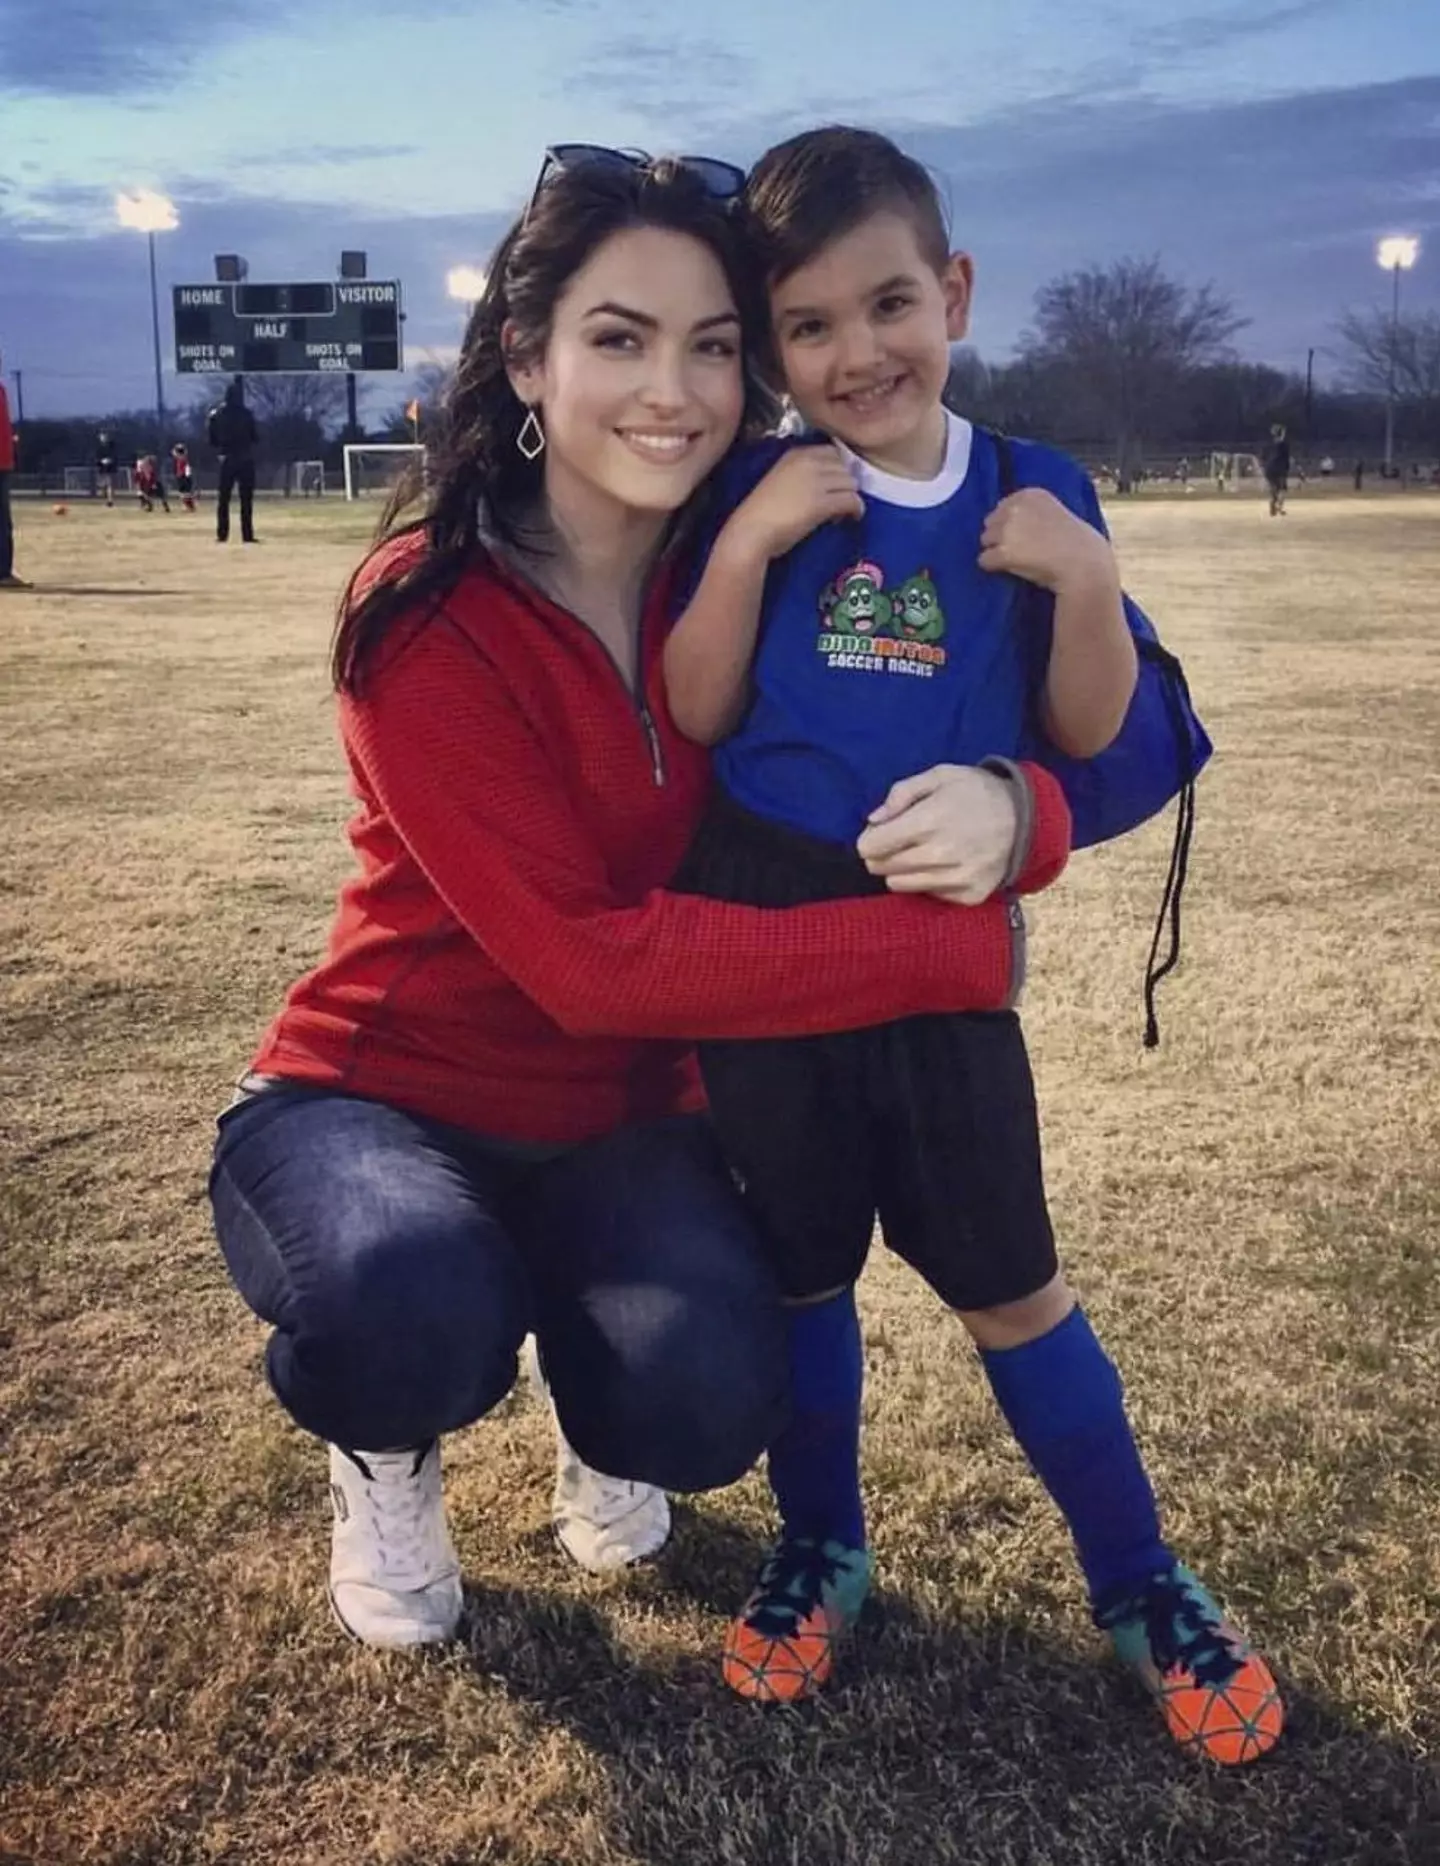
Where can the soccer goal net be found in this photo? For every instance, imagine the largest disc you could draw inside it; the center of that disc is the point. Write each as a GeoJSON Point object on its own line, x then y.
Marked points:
{"type": "Point", "coordinates": [1230, 469]}
{"type": "Point", "coordinates": [307, 478]}
{"type": "Point", "coordinates": [378, 467]}
{"type": "Point", "coordinates": [80, 480]}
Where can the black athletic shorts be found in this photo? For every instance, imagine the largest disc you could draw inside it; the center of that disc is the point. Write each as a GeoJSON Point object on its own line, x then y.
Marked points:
{"type": "Point", "coordinates": [928, 1123]}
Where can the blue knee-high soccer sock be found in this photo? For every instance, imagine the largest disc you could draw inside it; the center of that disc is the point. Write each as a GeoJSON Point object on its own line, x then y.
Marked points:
{"type": "Point", "coordinates": [1065, 1404]}
{"type": "Point", "coordinates": [815, 1461]}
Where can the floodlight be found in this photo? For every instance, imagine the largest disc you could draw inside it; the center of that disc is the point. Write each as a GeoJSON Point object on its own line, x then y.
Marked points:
{"type": "Point", "coordinates": [1398, 253]}
{"type": "Point", "coordinates": [466, 283]}
{"type": "Point", "coordinates": [146, 212]}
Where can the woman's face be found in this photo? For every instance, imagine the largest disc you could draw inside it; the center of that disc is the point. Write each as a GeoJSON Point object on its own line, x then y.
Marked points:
{"type": "Point", "coordinates": [641, 386]}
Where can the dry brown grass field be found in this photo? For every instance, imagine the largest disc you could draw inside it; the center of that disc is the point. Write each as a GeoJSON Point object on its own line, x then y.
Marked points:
{"type": "Point", "coordinates": [1252, 1213]}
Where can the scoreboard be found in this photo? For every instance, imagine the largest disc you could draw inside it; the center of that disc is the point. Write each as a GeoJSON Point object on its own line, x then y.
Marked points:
{"type": "Point", "coordinates": [269, 330]}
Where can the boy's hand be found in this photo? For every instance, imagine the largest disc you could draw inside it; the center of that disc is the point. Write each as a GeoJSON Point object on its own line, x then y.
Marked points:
{"type": "Point", "coordinates": [805, 488]}
{"type": "Point", "coordinates": [1032, 535]}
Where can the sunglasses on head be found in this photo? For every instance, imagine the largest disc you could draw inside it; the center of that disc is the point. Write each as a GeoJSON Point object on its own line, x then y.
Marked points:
{"type": "Point", "coordinates": [722, 181]}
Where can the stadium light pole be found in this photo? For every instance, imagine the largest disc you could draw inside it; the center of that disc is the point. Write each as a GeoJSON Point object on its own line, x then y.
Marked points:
{"type": "Point", "coordinates": [1396, 255]}
{"type": "Point", "coordinates": [150, 213]}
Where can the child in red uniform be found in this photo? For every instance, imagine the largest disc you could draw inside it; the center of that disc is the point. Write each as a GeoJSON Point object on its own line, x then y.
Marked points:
{"type": "Point", "coordinates": [148, 484]}
{"type": "Point", "coordinates": [184, 475]}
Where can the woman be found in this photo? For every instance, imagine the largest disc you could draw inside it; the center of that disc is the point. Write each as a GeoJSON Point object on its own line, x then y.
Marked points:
{"type": "Point", "coordinates": [478, 1116]}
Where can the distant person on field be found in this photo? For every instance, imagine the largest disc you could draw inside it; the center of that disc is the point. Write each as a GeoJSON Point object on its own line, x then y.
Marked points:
{"type": "Point", "coordinates": [234, 436]}
{"type": "Point", "coordinates": [1359, 476]}
{"type": "Point", "coordinates": [148, 484]}
{"type": "Point", "coordinates": [184, 475]}
{"type": "Point", "coordinates": [1277, 469]}
{"type": "Point", "coordinates": [105, 464]}
{"type": "Point", "coordinates": [8, 578]}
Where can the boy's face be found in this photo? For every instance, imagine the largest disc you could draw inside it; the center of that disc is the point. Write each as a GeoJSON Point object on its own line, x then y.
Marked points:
{"type": "Point", "coordinates": [863, 333]}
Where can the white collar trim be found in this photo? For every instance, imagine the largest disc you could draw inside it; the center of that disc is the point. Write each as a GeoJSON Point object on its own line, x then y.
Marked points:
{"type": "Point", "coordinates": [894, 489]}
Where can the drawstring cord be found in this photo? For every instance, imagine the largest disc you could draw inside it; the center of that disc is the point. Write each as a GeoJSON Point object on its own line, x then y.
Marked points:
{"type": "Point", "coordinates": [1177, 700]}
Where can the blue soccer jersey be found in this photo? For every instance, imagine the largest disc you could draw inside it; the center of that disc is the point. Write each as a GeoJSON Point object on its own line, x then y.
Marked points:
{"type": "Point", "coordinates": [883, 647]}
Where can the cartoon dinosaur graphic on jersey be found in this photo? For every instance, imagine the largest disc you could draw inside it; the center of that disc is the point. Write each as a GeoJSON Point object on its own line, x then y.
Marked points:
{"type": "Point", "coordinates": [855, 602]}
{"type": "Point", "coordinates": [916, 609]}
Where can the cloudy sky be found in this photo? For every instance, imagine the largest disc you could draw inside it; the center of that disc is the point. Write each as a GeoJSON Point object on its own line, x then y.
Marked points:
{"type": "Point", "coordinates": [1264, 144]}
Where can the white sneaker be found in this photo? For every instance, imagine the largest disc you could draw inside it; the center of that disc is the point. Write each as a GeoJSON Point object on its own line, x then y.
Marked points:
{"type": "Point", "coordinates": [394, 1574]}
{"type": "Point", "coordinates": [601, 1522]}
{"type": "Point", "coordinates": [604, 1522]}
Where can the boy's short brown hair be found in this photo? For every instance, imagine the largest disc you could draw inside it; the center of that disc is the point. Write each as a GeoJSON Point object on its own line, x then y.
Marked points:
{"type": "Point", "coordinates": [806, 193]}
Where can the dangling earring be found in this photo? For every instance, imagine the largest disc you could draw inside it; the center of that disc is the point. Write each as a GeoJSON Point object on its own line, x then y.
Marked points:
{"type": "Point", "coordinates": [531, 438]}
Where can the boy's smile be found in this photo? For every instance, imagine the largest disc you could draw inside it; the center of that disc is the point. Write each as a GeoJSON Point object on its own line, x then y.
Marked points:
{"type": "Point", "coordinates": [863, 336]}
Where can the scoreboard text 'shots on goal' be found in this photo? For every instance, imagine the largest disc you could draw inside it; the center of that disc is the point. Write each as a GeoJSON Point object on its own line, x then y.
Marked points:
{"type": "Point", "coordinates": [338, 325]}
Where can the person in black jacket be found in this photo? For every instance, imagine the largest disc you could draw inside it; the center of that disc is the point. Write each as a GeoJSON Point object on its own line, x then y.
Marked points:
{"type": "Point", "coordinates": [234, 436]}
{"type": "Point", "coordinates": [1277, 469]}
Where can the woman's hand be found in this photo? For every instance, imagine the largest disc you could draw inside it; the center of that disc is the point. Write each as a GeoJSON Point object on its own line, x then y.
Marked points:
{"type": "Point", "coordinates": [948, 831]}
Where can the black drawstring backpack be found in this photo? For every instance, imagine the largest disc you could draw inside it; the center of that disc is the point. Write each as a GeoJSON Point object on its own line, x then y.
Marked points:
{"type": "Point", "coordinates": [1156, 757]}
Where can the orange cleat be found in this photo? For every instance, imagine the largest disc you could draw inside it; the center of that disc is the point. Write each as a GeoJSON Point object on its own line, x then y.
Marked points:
{"type": "Point", "coordinates": [807, 1595]}
{"type": "Point", "coordinates": [1217, 1696]}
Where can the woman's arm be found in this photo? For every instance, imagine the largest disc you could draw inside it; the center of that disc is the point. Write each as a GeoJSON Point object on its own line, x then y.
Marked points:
{"type": "Point", "coordinates": [474, 796]}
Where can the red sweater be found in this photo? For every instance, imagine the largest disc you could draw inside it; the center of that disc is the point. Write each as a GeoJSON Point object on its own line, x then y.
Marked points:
{"type": "Point", "coordinates": [508, 958]}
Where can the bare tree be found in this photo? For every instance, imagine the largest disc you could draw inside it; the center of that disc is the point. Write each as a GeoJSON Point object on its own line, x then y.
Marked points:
{"type": "Point", "coordinates": [968, 386]}
{"type": "Point", "coordinates": [297, 415]}
{"type": "Point", "coordinates": [317, 399]}
{"type": "Point", "coordinates": [1021, 397]}
{"type": "Point", "coordinates": [1231, 401]}
{"type": "Point", "coordinates": [1122, 339]}
{"type": "Point", "coordinates": [431, 384]}
{"type": "Point", "coordinates": [1378, 354]}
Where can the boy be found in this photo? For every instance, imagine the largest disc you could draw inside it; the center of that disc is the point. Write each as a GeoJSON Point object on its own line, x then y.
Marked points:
{"type": "Point", "coordinates": [184, 475]}
{"type": "Point", "coordinates": [874, 572]}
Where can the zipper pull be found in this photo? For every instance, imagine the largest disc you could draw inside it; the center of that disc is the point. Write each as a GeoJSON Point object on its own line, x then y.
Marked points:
{"type": "Point", "coordinates": [657, 760]}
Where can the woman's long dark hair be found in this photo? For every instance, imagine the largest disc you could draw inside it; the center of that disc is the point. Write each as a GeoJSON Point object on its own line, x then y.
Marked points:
{"type": "Point", "coordinates": [474, 472]}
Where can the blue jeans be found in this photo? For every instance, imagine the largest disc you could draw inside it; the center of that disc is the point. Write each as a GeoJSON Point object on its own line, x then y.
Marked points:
{"type": "Point", "coordinates": [401, 1263]}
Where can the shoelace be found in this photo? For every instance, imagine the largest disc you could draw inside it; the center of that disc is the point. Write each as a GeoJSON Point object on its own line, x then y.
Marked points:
{"type": "Point", "coordinates": [790, 1585]}
{"type": "Point", "coordinates": [404, 1520]}
{"type": "Point", "coordinates": [1182, 1628]}
{"type": "Point", "coordinates": [617, 1496]}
